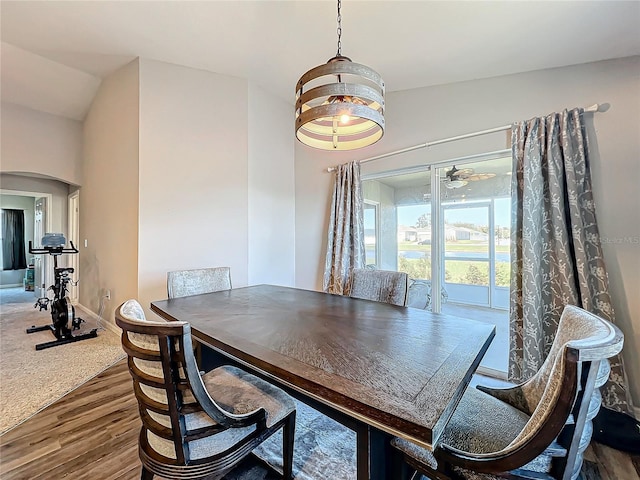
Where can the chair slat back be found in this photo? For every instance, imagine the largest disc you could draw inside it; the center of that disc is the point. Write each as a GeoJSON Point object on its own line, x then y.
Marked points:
{"type": "Point", "coordinates": [157, 355]}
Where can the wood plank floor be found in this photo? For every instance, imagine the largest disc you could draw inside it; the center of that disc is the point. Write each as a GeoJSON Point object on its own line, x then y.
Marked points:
{"type": "Point", "coordinates": [92, 434]}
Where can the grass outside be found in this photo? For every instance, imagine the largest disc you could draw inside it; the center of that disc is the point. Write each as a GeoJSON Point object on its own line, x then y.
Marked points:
{"type": "Point", "coordinates": [460, 246]}
{"type": "Point", "coordinates": [468, 272]}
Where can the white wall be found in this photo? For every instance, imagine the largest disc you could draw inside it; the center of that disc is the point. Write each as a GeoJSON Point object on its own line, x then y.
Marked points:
{"type": "Point", "coordinates": [26, 204]}
{"type": "Point", "coordinates": [271, 190]}
{"type": "Point", "coordinates": [428, 114]}
{"type": "Point", "coordinates": [193, 174]}
{"type": "Point", "coordinates": [37, 142]}
{"type": "Point", "coordinates": [109, 194]}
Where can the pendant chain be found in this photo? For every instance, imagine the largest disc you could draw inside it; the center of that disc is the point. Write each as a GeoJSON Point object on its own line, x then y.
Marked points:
{"type": "Point", "coordinates": [339, 29]}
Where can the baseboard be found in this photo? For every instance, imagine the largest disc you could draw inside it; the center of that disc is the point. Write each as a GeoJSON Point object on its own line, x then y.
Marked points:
{"type": "Point", "coordinates": [105, 323]}
{"type": "Point", "coordinates": [12, 285]}
{"type": "Point", "coordinates": [490, 372]}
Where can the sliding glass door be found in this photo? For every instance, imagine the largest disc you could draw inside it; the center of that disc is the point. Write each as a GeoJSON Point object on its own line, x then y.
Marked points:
{"type": "Point", "coordinates": [448, 228]}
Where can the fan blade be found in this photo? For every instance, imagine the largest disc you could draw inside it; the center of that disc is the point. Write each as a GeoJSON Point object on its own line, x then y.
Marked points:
{"type": "Point", "coordinates": [480, 176]}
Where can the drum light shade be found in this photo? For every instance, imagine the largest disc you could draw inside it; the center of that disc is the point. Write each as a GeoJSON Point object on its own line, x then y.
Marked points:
{"type": "Point", "coordinates": [340, 105]}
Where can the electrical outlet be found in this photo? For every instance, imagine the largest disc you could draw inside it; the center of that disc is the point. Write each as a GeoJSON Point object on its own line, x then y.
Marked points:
{"type": "Point", "coordinates": [107, 294]}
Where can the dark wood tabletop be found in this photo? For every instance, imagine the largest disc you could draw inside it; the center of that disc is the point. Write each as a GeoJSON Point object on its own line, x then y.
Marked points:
{"type": "Point", "coordinates": [399, 369]}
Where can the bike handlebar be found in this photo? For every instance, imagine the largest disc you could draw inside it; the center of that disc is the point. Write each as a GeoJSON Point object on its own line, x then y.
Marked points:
{"type": "Point", "coordinates": [52, 250]}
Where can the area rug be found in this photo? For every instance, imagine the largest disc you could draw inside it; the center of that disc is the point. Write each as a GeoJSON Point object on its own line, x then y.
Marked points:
{"type": "Point", "coordinates": [29, 379]}
{"type": "Point", "coordinates": [322, 449]}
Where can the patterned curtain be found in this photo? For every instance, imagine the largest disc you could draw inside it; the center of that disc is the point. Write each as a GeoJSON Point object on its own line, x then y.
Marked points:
{"type": "Point", "coordinates": [345, 244]}
{"type": "Point", "coordinates": [555, 246]}
{"type": "Point", "coordinates": [13, 251]}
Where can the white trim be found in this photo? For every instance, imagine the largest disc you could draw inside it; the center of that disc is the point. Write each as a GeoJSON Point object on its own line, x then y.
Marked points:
{"type": "Point", "coordinates": [491, 372]}
{"type": "Point", "coordinates": [101, 321]}
{"type": "Point", "coordinates": [13, 285]}
{"type": "Point", "coordinates": [73, 234]}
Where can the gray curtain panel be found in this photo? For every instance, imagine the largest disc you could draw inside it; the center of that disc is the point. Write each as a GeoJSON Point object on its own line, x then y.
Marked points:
{"type": "Point", "coordinates": [555, 246]}
{"type": "Point", "coordinates": [556, 252]}
{"type": "Point", "coordinates": [345, 243]}
{"type": "Point", "coordinates": [13, 251]}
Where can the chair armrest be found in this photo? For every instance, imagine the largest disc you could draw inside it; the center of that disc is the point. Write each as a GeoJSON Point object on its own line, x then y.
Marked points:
{"type": "Point", "coordinates": [511, 395]}
{"type": "Point", "coordinates": [215, 411]}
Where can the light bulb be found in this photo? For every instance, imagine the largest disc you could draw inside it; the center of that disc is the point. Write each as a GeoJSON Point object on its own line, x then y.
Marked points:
{"type": "Point", "coordinates": [344, 119]}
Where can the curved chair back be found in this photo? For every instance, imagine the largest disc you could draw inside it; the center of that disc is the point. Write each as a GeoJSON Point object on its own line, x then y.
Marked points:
{"type": "Point", "coordinates": [380, 286]}
{"type": "Point", "coordinates": [182, 283]}
{"type": "Point", "coordinates": [560, 396]}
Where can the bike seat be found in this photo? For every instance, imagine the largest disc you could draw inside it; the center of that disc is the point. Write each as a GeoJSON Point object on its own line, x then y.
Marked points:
{"type": "Point", "coordinates": [64, 270]}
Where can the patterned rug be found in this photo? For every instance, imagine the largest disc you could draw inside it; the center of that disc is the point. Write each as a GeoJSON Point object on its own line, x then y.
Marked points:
{"type": "Point", "coordinates": [29, 379]}
{"type": "Point", "coordinates": [321, 446]}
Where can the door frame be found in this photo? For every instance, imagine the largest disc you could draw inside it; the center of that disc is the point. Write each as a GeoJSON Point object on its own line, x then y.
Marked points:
{"type": "Point", "coordinates": [73, 235]}
{"type": "Point", "coordinates": [46, 265]}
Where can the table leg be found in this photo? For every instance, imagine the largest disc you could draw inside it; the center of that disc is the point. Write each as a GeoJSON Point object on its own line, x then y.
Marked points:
{"type": "Point", "coordinates": [373, 453]}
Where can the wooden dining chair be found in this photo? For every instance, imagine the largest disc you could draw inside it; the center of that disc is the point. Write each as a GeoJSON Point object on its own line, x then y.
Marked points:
{"type": "Point", "coordinates": [196, 426]}
{"type": "Point", "coordinates": [539, 429]}
{"type": "Point", "coordinates": [181, 283]}
{"type": "Point", "coordinates": [379, 285]}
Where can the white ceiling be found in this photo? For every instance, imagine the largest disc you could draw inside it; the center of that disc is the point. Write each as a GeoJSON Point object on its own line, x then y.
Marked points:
{"type": "Point", "coordinates": [55, 52]}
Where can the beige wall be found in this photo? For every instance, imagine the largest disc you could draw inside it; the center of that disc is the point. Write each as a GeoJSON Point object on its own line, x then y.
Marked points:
{"type": "Point", "coordinates": [428, 114]}
{"type": "Point", "coordinates": [37, 142]}
{"type": "Point", "coordinates": [193, 174]}
{"type": "Point", "coordinates": [109, 194]}
{"type": "Point", "coordinates": [271, 190]}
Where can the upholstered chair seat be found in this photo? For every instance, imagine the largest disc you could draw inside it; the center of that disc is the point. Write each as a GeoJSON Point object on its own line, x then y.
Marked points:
{"type": "Point", "coordinates": [196, 425]}
{"type": "Point", "coordinates": [379, 285]}
{"type": "Point", "coordinates": [538, 429]}
{"type": "Point", "coordinates": [473, 429]}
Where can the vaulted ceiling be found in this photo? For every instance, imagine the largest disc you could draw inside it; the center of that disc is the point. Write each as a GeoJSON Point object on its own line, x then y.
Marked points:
{"type": "Point", "coordinates": [55, 53]}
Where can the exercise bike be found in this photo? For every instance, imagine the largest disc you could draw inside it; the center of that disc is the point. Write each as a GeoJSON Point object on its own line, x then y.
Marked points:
{"type": "Point", "coordinates": [62, 311]}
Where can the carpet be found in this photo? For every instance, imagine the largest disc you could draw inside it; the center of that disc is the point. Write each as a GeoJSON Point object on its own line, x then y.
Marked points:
{"type": "Point", "coordinates": [321, 446]}
{"type": "Point", "coordinates": [29, 379]}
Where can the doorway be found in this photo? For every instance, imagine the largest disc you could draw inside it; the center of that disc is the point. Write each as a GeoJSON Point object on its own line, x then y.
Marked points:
{"type": "Point", "coordinates": [41, 203]}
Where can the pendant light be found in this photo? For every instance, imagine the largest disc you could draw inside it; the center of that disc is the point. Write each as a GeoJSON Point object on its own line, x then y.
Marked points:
{"type": "Point", "coordinates": [340, 105]}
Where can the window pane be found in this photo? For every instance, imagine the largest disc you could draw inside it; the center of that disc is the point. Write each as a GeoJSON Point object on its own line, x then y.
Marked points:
{"type": "Point", "coordinates": [403, 231]}
{"type": "Point", "coordinates": [466, 232]}
{"type": "Point", "coordinates": [370, 233]}
{"type": "Point", "coordinates": [414, 240]}
{"type": "Point", "coordinates": [502, 210]}
{"type": "Point", "coordinates": [466, 272]}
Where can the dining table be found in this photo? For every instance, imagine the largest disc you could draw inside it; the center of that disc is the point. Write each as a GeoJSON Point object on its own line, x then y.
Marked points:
{"type": "Point", "coordinates": [382, 370]}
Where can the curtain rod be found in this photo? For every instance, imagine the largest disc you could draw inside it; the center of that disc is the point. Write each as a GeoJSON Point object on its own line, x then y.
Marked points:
{"type": "Point", "coordinates": [593, 108]}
